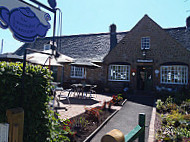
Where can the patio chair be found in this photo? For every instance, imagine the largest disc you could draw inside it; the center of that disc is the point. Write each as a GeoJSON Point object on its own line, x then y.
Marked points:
{"type": "Point", "coordinates": [60, 94]}
{"type": "Point", "coordinates": [70, 91]}
{"type": "Point", "coordinates": [52, 94]}
{"type": "Point", "coordinates": [75, 88]}
{"type": "Point", "coordinates": [86, 90]}
{"type": "Point", "coordinates": [92, 90]}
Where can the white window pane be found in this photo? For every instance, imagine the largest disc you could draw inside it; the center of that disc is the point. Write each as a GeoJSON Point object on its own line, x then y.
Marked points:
{"type": "Point", "coordinates": [145, 43]}
{"type": "Point", "coordinates": [174, 74]}
{"type": "Point", "coordinates": [77, 72]}
{"type": "Point", "coordinates": [119, 72]}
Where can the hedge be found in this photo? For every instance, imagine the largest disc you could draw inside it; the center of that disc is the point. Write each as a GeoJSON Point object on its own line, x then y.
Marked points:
{"type": "Point", "coordinates": [40, 124]}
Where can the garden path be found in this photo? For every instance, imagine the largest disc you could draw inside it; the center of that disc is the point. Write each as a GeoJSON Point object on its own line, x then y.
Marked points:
{"type": "Point", "coordinates": [127, 118]}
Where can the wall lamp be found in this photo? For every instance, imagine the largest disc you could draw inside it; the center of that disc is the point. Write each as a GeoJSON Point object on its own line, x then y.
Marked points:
{"type": "Point", "coordinates": [144, 52]}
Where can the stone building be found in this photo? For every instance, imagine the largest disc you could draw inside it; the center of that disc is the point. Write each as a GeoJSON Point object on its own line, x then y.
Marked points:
{"type": "Point", "coordinates": [146, 57]}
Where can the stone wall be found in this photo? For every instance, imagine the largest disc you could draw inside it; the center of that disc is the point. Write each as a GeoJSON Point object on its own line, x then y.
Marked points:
{"type": "Point", "coordinates": [93, 76]}
{"type": "Point", "coordinates": [163, 48]}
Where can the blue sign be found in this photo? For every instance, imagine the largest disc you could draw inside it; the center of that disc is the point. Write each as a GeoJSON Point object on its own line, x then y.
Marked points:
{"type": "Point", "coordinates": [24, 23]}
{"type": "Point", "coordinates": [52, 3]}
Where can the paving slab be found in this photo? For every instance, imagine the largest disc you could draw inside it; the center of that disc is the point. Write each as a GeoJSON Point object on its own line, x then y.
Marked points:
{"type": "Point", "coordinates": [78, 105]}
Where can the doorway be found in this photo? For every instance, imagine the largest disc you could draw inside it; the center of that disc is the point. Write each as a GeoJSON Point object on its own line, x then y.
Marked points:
{"type": "Point", "coordinates": [144, 77]}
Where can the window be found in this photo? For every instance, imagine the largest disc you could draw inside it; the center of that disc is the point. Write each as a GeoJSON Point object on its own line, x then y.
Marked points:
{"type": "Point", "coordinates": [77, 72]}
{"type": "Point", "coordinates": [174, 74]}
{"type": "Point", "coordinates": [145, 43]}
{"type": "Point", "coordinates": [47, 46]}
{"type": "Point", "coordinates": [119, 73]}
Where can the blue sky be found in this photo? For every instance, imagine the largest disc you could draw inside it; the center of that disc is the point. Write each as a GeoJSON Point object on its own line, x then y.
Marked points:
{"type": "Point", "coordinates": [95, 16]}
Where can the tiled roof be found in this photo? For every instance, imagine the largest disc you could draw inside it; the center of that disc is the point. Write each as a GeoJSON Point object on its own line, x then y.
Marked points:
{"type": "Point", "coordinates": [181, 34]}
{"type": "Point", "coordinates": [7, 56]}
{"type": "Point", "coordinates": [88, 47]}
{"type": "Point", "coordinates": [94, 47]}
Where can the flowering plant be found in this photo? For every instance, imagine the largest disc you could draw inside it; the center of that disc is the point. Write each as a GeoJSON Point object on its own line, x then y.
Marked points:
{"type": "Point", "coordinates": [117, 98]}
{"type": "Point", "coordinates": [93, 114]}
{"type": "Point", "coordinates": [67, 127]}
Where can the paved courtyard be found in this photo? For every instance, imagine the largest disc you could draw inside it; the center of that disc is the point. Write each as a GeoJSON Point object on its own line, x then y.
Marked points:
{"type": "Point", "coordinates": [127, 116]}
{"type": "Point", "coordinates": [77, 104]}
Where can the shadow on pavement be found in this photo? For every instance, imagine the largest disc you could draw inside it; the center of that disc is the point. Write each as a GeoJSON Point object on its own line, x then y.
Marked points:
{"type": "Point", "coordinates": [79, 101]}
{"type": "Point", "coordinates": [56, 108]}
{"type": "Point", "coordinates": [142, 98]}
{"type": "Point", "coordinates": [149, 101]}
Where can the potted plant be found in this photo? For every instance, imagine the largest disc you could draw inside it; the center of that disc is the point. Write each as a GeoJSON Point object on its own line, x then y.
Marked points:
{"type": "Point", "coordinates": [117, 99]}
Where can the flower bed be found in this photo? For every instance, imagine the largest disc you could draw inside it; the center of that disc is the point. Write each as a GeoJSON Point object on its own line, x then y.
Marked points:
{"type": "Point", "coordinates": [83, 125]}
{"type": "Point", "coordinates": [80, 127]}
{"type": "Point", "coordinates": [172, 121]}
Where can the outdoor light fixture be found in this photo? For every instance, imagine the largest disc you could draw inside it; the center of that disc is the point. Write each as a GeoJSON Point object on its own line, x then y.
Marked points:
{"type": "Point", "coordinates": [133, 73]}
{"type": "Point", "coordinates": [156, 72]}
{"type": "Point", "coordinates": [144, 53]}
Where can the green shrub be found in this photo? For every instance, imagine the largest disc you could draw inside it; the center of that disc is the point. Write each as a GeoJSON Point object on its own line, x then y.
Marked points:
{"type": "Point", "coordinates": [159, 104]}
{"type": "Point", "coordinates": [175, 124]}
{"type": "Point", "coordinates": [39, 122]}
{"type": "Point", "coordinates": [177, 97]}
{"type": "Point", "coordinates": [186, 106]}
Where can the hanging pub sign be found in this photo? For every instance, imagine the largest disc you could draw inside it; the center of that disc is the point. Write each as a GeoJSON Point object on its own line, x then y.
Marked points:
{"type": "Point", "coordinates": [26, 22]}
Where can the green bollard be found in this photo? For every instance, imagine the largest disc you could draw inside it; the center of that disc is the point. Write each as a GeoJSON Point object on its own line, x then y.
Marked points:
{"type": "Point", "coordinates": [142, 124]}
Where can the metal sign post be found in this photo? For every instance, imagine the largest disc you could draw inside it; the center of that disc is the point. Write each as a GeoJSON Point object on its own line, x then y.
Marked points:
{"type": "Point", "coordinates": [53, 46]}
{"type": "Point", "coordinates": [27, 22]}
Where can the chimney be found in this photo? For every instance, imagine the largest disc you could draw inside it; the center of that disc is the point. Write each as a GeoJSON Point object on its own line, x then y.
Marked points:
{"type": "Point", "coordinates": [113, 36]}
{"type": "Point", "coordinates": [188, 23]}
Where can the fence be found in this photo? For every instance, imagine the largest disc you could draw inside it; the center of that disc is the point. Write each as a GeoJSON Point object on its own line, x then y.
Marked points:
{"type": "Point", "coordinates": [15, 119]}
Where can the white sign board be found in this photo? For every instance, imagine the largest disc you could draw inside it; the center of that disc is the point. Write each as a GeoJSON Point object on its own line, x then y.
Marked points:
{"type": "Point", "coordinates": [4, 132]}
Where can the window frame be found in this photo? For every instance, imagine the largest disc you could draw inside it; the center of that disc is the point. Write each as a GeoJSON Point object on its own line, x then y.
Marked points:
{"type": "Point", "coordinates": [75, 75]}
{"type": "Point", "coordinates": [128, 72]}
{"type": "Point", "coordinates": [174, 74]}
{"type": "Point", "coordinates": [145, 43]}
